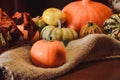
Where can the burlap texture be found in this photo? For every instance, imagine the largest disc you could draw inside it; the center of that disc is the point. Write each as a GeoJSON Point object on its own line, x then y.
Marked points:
{"type": "Point", "coordinates": [92, 47]}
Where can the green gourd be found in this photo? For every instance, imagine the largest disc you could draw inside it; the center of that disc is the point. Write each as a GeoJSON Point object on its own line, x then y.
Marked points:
{"type": "Point", "coordinates": [58, 33]}
{"type": "Point", "coordinates": [112, 26]}
{"type": "Point", "coordinates": [39, 22]}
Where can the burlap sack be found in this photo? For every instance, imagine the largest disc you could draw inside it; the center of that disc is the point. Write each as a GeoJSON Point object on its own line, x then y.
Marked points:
{"type": "Point", "coordinates": [16, 64]}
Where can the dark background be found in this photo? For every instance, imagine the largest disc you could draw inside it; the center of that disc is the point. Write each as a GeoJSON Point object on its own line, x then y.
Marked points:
{"type": "Point", "coordinates": [34, 7]}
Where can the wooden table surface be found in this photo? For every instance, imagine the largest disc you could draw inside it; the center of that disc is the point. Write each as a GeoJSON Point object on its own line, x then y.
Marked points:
{"type": "Point", "coordinates": [97, 70]}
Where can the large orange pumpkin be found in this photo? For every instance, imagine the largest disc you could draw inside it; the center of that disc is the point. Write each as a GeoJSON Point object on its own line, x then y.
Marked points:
{"type": "Point", "coordinates": [48, 53]}
{"type": "Point", "coordinates": [79, 13]}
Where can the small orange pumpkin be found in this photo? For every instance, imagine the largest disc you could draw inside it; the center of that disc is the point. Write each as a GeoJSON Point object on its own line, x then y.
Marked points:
{"type": "Point", "coordinates": [90, 28]}
{"type": "Point", "coordinates": [79, 13]}
{"type": "Point", "coordinates": [48, 53]}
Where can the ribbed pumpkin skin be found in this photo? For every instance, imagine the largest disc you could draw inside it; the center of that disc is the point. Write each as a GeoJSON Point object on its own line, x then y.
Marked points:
{"type": "Point", "coordinates": [79, 13]}
{"type": "Point", "coordinates": [112, 26]}
{"type": "Point", "coordinates": [57, 33]}
{"type": "Point", "coordinates": [90, 28]}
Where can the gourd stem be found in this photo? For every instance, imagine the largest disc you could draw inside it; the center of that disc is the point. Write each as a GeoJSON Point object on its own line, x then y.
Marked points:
{"type": "Point", "coordinates": [59, 24]}
{"type": "Point", "coordinates": [90, 23]}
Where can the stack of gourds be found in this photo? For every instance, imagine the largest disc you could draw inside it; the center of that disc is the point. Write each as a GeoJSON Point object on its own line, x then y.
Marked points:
{"type": "Point", "coordinates": [51, 26]}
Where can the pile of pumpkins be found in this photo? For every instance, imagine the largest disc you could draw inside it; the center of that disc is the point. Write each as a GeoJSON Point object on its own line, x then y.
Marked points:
{"type": "Point", "coordinates": [75, 20]}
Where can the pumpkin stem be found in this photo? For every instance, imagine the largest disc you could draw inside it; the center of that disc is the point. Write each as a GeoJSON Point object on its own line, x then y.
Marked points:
{"type": "Point", "coordinates": [90, 23]}
{"type": "Point", "coordinates": [59, 24]}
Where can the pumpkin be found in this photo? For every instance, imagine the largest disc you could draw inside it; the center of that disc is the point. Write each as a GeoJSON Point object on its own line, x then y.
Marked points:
{"type": "Point", "coordinates": [58, 33]}
{"type": "Point", "coordinates": [39, 22]}
{"type": "Point", "coordinates": [48, 54]}
{"type": "Point", "coordinates": [90, 28]}
{"type": "Point", "coordinates": [52, 15]}
{"type": "Point", "coordinates": [112, 26]}
{"type": "Point", "coordinates": [79, 13]}
{"type": "Point", "coordinates": [25, 33]}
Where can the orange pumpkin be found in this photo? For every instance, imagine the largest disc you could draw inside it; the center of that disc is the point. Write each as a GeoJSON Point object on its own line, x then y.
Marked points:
{"type": "Point", "coordinates": [90, 28]}
{"type": "Point", "coordinates": [48, 53]}
{"type": "Point", "coordinates": [25, 33]}
{"type": "Point", "coordinates": [79, 13]}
